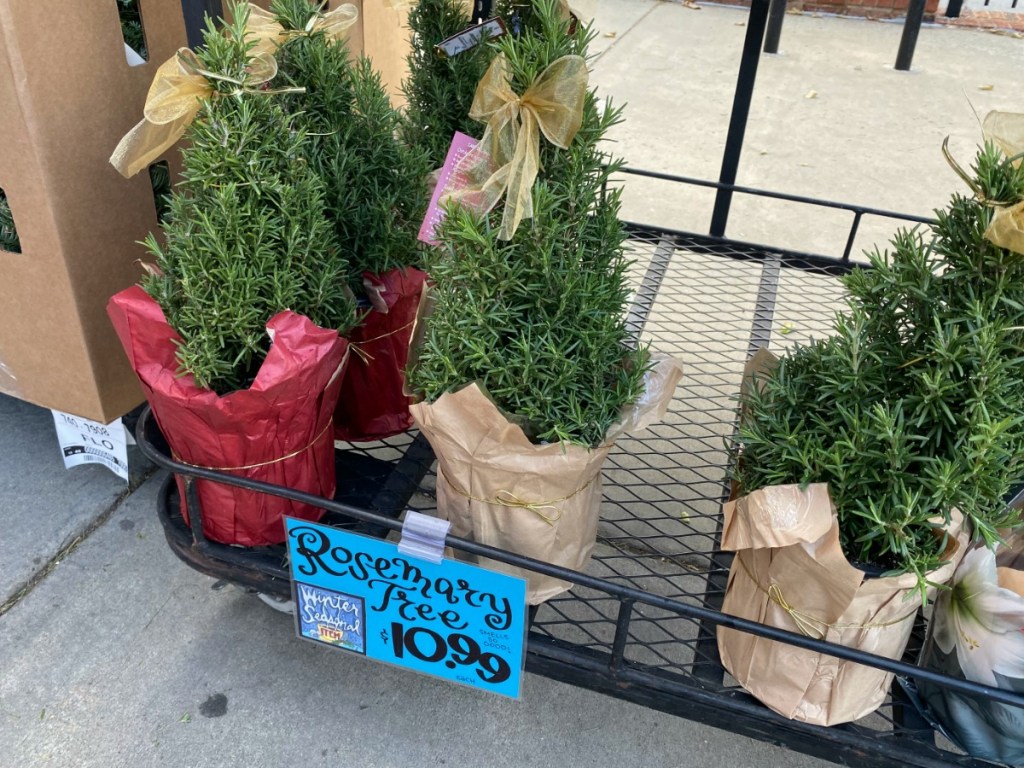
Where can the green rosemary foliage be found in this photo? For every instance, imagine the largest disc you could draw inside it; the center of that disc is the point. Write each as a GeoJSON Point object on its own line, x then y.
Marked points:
{"type": "Point", "coordinates": [131, 26]}
{"type": "Point", "coordinates": [375, 195]}
{"type": "Point", "coordinates": [914, 406]}
{"type": "Point", "coordinates": [539, 320]}
{"type": "Point", "coordinates": [439, 91]}
{"type": "Point", "coordinates": [160, 179]}
{"type": "Point", "coordinates": [8, 234]}
{"type": "Point", "coordinates": [247, 236]}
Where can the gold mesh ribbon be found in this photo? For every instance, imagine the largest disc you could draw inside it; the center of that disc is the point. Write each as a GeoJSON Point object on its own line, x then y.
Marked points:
{"type": "Point", "coordinates": [808, 624]}
{"type": "Point", "coordinates": [1006, 129]}
{"type": "Point", "coordinates": [564, 11]}
{"type": "Point", "coordinates": [1006, 229]}
{"type": "Point", "coordinates": [506, 160]}
{"type": "Point", "coordinates": [505, 498]}
{"type": "Point", "coordinates": [263, 27]}
{"type": "Point", "coordinates": [179, 89]}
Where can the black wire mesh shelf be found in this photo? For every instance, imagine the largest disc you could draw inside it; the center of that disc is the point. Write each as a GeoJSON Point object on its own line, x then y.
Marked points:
{"type": "Point", "coordinates": [640, 623]}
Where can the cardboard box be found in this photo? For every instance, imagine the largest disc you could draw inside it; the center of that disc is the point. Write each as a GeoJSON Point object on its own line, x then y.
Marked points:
{"type": "Point", "coordinates": [386, 42]}
{"type": "Point", "coordinates": [68, 95]}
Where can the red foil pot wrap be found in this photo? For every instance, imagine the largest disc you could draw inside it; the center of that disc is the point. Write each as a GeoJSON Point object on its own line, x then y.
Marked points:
{"type": "Point", "coordinates": [277, 431]}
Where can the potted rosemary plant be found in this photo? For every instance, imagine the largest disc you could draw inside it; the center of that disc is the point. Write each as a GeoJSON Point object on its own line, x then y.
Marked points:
{"type": "Point", "coordinates": [861, 454]}
{"type": "Point", "coordinates": [526, 371]}
{"type": "Point", "coordinates": [235, 331]}
{"type": "Point", "coordinates": [372, 187]}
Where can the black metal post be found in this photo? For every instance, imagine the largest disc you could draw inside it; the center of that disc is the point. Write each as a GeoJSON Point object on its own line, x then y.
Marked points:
{"type": "Point", "coordinates": [621, 633]}
{"type": "Point", "coordinates": [853, 235]}
{"type": "Point", "coordinates": [481, 10]}
{"type": "Point", "coordinates": [953, 9]}
{"type": "Point", "coordinates": [756, 22]}
{"type": "Point", "coordinates": [911, 28]}
{"type": "Point", "coordinates": [776, 14]}
{"type": "Point", "coordinates": [195, 12]}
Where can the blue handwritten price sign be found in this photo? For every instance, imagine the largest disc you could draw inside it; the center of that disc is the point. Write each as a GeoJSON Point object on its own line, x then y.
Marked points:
{"type": "Point", "coordinates": [450, 620]}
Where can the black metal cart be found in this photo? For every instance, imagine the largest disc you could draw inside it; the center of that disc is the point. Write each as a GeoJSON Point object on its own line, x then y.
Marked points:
{"type": "Point", "coordinates": [640, 623]}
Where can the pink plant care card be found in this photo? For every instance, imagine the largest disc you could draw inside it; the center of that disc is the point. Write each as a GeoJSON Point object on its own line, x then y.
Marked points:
{"type": "Point", "coordinates": [448, 181]}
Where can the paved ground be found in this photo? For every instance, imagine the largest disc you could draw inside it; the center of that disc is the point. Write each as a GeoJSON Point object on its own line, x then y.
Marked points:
{"type": "Point", "coordinates": [118, 655]}
{"type": "Point", "coordinates": [1008, 23]}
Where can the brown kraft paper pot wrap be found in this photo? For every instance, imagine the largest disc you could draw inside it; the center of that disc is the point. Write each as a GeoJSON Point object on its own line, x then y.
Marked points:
{"type": "Point", "coordinates": [277, 431]}
{"type": "Point", "coordinates": [373, 403]}
{"type": "Point", "coordinates": [789, 572]}
{"type": "Point", "coordinates": [541, 501]}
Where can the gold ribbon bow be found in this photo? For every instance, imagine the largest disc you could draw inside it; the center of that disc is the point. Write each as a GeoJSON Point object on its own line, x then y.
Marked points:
{"type": "Point", "coordinates": [507, 159]}
{"type": "Point", "coordinates": [266, 30]}
{"type": "Point", "coordinates": [1006, 229]}
{"type": "Point", "coordinates": [179, 89]}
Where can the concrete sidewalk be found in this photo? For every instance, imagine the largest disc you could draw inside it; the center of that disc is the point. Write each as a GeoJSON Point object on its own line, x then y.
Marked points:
{"type": "Point", "coordinates": [113, 653]}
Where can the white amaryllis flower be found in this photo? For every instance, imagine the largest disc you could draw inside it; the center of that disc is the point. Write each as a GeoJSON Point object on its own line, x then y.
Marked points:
{"type": "Point", "coordinates": [983, 621]}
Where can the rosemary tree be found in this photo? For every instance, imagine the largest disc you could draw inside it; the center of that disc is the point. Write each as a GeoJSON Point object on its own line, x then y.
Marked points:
{"type": "Point", "coordinates": [914, 406]}
{"type": "Point", "coordinates": [439, 91]}
{"type": "Point", "coordinates": [247, 236]}
{"type": "Point", "coordinates": [538, 320]}
{"type": "Point", "coordinates": [374, 183]}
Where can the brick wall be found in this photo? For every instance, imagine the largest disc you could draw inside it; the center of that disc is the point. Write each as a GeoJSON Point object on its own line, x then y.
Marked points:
{"type": "Point", "coordinates": [872, 9]}
{"type": "Point", "coordinates": [877, 9]}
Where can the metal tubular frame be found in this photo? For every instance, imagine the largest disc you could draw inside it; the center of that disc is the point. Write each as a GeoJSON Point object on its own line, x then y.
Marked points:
{"type": "Point", "coordinates": [621, 593]}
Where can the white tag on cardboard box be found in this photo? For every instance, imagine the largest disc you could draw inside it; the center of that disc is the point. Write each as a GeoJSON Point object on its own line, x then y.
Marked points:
{"type": "Point", "coordinates": [83, 441]}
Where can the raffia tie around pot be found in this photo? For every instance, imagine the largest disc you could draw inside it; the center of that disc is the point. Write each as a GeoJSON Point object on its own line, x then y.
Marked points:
{"type": "Point", "coordinates": [790, 572]}
{"type": "Point", "coordinates": [541, 501]}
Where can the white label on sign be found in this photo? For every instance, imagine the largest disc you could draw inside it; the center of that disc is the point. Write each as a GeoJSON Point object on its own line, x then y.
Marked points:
{"type": "Point", "coordinates": [83, 441]}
